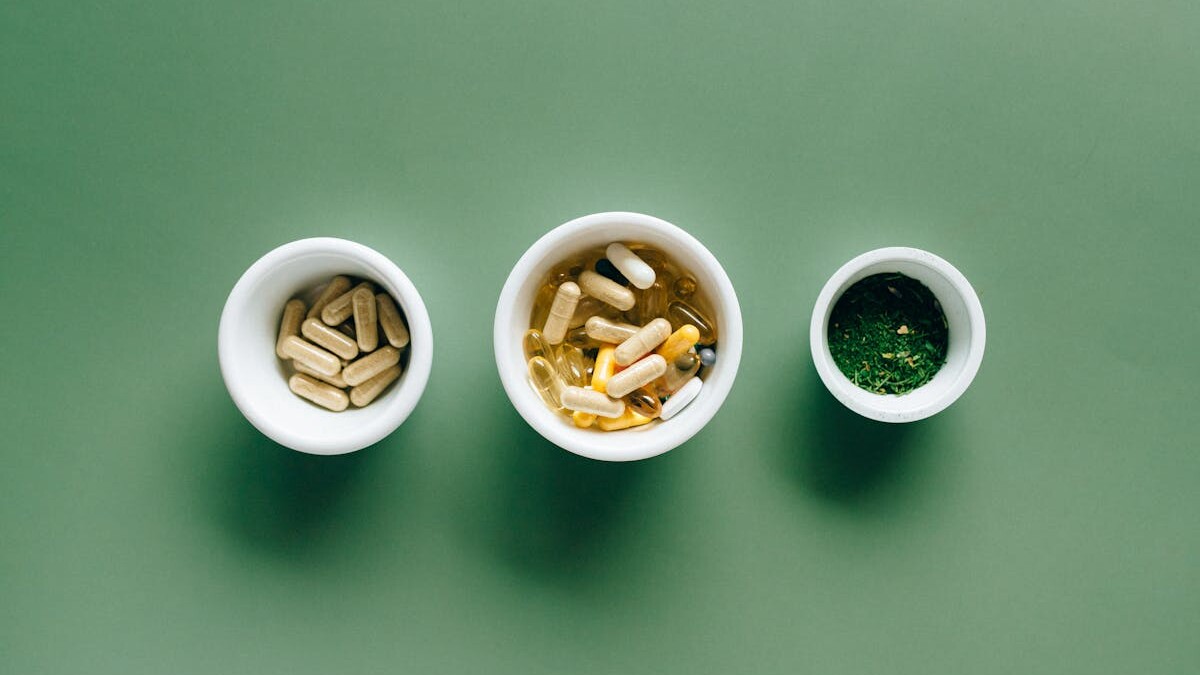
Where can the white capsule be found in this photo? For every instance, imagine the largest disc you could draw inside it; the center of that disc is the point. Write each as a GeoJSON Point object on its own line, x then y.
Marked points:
{"type": "Point", "coordinates": [634, 268]}
{"type": "Point", "coordinates": [561, 311]}
{"type": "Point", "coordinates": [638, 375]}
{"type": "Point", "coordinates": [589, 401]}
{"type": "Point", "coordinates": [679, 400]}
{"type": "Point", "coordinates": [605, 289]}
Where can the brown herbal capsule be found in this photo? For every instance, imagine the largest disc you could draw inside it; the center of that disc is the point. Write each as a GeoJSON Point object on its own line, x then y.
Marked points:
{"type": "Point", "coordinates": [391, 321]}
{"type": "Point", "coordinates": [366, 320]}
{"type": "Point", "coordinates": [289, 325]}
{"type": "Point", "coordinates": [370, 365]}
{"type": "Point", "coordinates": [371, 389]}
{"type": "Point", "coordinates": [320, 393]}
{"type": "Point", "coordinates": [336, 286]}
{"type": "Point", "coordinates": [334, 340]}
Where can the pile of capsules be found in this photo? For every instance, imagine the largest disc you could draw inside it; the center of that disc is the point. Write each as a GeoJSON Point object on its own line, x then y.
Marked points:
{"type": "Point", "coordinates": [619, 336]}
{"type": "Point", "coordinates": [334, 345]}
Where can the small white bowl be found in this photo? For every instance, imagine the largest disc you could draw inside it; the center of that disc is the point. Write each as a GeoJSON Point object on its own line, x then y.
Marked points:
{"type": "Point", "coordinates": [516, 303]}
{"type": "Point", "coordinates": [964, 314]}
{"type": "Point", "coordinates": [257, 379]}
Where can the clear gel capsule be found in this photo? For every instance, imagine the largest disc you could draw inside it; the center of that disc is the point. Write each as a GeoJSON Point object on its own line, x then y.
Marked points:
{"type": "Point", "coordinates": [391, 321]}
{"type": "Point", "coordinates": [567, 271]}
{"type": "Point", "coordinates": [571, 366]}
{"type": "Point", "coordinates": [586, 309]}
{"type": "Point", "coordinates": [322, 394]}
{"type": "Point", "coordinates": [342, 307]}
{"type": "Point", "coordinates": [331, 339]}
{"type": "Point", "coordinates": [589, 401]}
{"type": "Point", "coordinates": [629, 264]}
{"type": "Point", "coordinates": [679, 400]}
{"type": "Point", "coordinates": [681, 313]}
{"type": "Point", "coordinates": [583, 420]}
{"type": "Point", "coordinates": [544, 379]}
{"type": "Point", "coordinates": [578, 337]}
{"type": "Point", "coordinates": [625, 421]}
{"type": "Point", "coordinates": [676, 377]}
{"type": "Point", "coordinates": [679, 343]}
{"type": "Point", "coordinates": [565, 299]}
{"type": "Point", "coordinates": [604, 369]}
{"type": "Point", "coordinates": [606, 290]}
{"type": "Point", "coordinates": [311, 355]}
{"type": "Point", "coordinates": [366, 320]}
{"type": "Point", "coordinates": [335, 380]}
{"type": "Point", "coordinates": [535, 345]}
{"type": "Point", "coordinates": [541, 305]}
{"type": "Point", "coordinates": [605, 330]}
{"type": "Point", "coordinates": [684, 287]}
{"type": "Point", "coordinates": [370, 365]}
{"type": "Point", "coordinates": [371, 389]}
{"type": "Point", "coordinates": [651, 303]}
{"type": "Point", "coordinates": [289, 325]}
{"type": "Point", "coordinates": [637, 375]}
{"type": "Point", "coordinates": [642, 342]}
{"type": "Point", "coordinates": [643, 402]}
{"type": "Point", "coordinates": [336, 286]}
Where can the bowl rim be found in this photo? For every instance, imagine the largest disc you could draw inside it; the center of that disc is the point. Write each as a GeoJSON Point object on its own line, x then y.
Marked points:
{"type": "Point", "coordinates": [410, 387]}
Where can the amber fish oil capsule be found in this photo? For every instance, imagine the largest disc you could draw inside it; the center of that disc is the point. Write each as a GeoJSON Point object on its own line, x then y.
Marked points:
{"type": "Point", "coordinates": [642, 342]}
{"type": "Point", "coordinates": [606, 290]}
{"type": "Point", "coordinates": [391, 321]}
{"type": "Point", "coordinates": [333, 340]}
{"type": "Point", "coordinates": [565, 300]}
{"type": "Point", "coordinates": [681, 313]}
{"type": "Point", "coordinates": [589, 401]}
{"type": "Point", "coordinates": [289, 325]}
{"type": "Point", "coordinates": [636, 376]}
{"type": "Point", "coordinates": [322, 394]}
{"type": "Point", "coordinates": [370, 365]}
{"type": "Point", "coordinates": [311, 355]}
{"type": "Point", "coordinates": [336, 286]}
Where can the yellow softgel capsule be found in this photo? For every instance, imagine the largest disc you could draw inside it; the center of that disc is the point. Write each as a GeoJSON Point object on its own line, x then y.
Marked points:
{"type": "Point", "coordinates": [582, 419]}
{"type": "Point", "coordinates": [391, 321]}
{"type": "Point", "coordinates": [571, 365]}
{"type": "Point", "coordinates": [336, 380]}
{"type": "Point", "coordinates": [289, 325]}
{"type": "Point", "coordinates": [606, 366]}
{"type": "Point", "coordinates": [370, 365]}
{"type": "Point", "coordinates": [565, 299]}
{"type": "Point", "coordinates": [578, 337]}
{"type": "Point", "coordinates": [642, 342]}
{"type": "Point", "coordinates": [366, 319]}
{"type": "Point", "coordinates": [635, 376]}
{"type": "Point", "coordinates": [322, 394]}
{"type": "Point", "coordinates": [333, 340]}
{"type": "Point", "coordinates": [544, 379]}
{"type": "Point", "coordinates": [336, 286]}
{"type": "Point", "coordinates": [651, 302]}
{"type": "Point", "coordinates": [681, 313]}
{"type": "Point", "coordinates": [535, 344]}
{"type": "Point", "coordinates": [314, 357]}
{"type": "Point", "coordinates": [605, 330]}
{"type": "Point", "coordinates": [371, 389]}
{"type": "Point", "coordinates": [679, 343]}
{"type": "Point", "coordinates": [644, 402]}
{"type": "Point", "coordinates": [628, 419]}
{"type": "Point", "coordinates": [342, 307]}
{"type": "Point", "coordinates": [541, 305]}
{"type": "Point", "coordinates": [591, 401]}
{"type": "Point", "coordinates": [604, 289]}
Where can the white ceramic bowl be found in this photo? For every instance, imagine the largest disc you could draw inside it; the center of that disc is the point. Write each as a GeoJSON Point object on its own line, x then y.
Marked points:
{"type": "Point", "coordinates": [516, 303]}
{"type": "Point", "coordinates": [256, 378]}
{"type": "Point", "coordinates": [964, 314]}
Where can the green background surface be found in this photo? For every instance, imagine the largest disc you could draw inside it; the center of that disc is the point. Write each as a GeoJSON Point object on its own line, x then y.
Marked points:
{"type": "Point", "coordinates": [1045, 523]}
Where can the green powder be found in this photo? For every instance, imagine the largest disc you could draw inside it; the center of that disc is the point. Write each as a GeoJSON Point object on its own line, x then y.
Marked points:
{"type": "Point", "coordinates": [888, 334]}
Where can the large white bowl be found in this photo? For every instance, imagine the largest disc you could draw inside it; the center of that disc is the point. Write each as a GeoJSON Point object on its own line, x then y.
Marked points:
{"type": "Point", "coordinates": [516, 303]}
{"type": "Point", "coordinates": [257, 380]}
{"type": "Point", "coordinates": [964, 314]}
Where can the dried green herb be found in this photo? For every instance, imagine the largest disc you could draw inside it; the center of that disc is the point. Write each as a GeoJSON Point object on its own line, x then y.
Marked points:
{"type": "Point", "coordinates": [888, 334]}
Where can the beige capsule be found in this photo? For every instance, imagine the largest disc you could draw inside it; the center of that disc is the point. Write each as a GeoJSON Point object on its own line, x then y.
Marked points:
{"type": "Point", "coordinates": [366, 320]}
{"type": "Point", "coordinates": [335, 380]}
{"type": "Point", "coordinates": [565, 300]}
{"type": "Point", "coordinates": [642, 342]}
{"type": "Point", "coordinates": [289, 325]}
{"type": "Point", "coordinates": [322, 394]}
{"type": "Point", "coordinates": [605, 289]}
{"type": "Point", "coordinates": [336, 286]}
{"type": "Point", "coordinates": [333, 340]}
{"type": "Point", "coordinates": [370, 365]}
{"type": "Point", "coordinates": [342, 307]}
{"type": "Point", "coordinates": [636, 376]}
{"type": "Point", "coordinates": [604, 330]}
{"type": "Point", "coordinates": [589, 401]}
{"type": "Point", "coordinates": [370, 390]}
{"type": "Point", "coordinates": [391, 321]}
{"type": "Point", "coordinates": [314, 357]}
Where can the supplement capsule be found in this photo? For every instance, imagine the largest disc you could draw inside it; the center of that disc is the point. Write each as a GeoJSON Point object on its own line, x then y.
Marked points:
{"type": "Point", "coordinates": [578, 337]}
{"type": "Point", "coordinates": [334, 340]}
{"type": "Point", "coordinates": [565, 300]}
{"type": "Point", "coordinates": [681, 313]}
{"type": "Point", "coordinates": [676, 377]}
{"type": "Point", "coordinates": [391, 321]}
{"type": "Point", "coordinates": [678, 401]}
{"type": "Point", "coordinates": [643, 402]}
{"type": "Point", "coordinates": [566, 271]}
{"type": "Point", "coordinates": [625, 421]}
{"type": "Point", "coordinates": [370, 365]}
{"type": "Point", "coordinates": [535, 345]}
{"type": "Point", "coordinates": [320, 393]}
{"type": "Point", "coordinates": [604, 330]}
{"type": "Point", "coordinates": [342, 307]}
{"type": "Point", "coordinates": [571, 366]}
{"type": "Point", "coordinates": [586, 309]}
{"type": "Point", "coordinates": [335, 380]}
{"type": "Point", "coordinates": [541, 305]}
{"type": "Point", "coordinates": [628, 263]}
{"type": "Point", "coordinates": [589, 401]}
{"type": "Point", "coordinates": [606, 365]}
{"type": "Point", "coordinates": [708, 356]}
{"type": "Point", "coordinates": [651, 303]}
{"type": "Point", "coordinates": [289, 325]}
{"type": "Point", "coordinates": [336, 286]}
{"type": "Point", "coordinates": [635, 376]}
{"type": "Point", "coordinates": [680, 342]}
{"type": "Point", "coordinates": [583, 420]}
{"type": "Point", "coordinates": [684, 287]}
{"type": "Point", "coordinates": [366, 320]}
{"type": "Point", "coordinates": [311, 355]}
{"type": "Point", "coordinates": [368, 391]}
{"type": "Point", "coordinates": [544, 379]}
{"type": "Point", "coordinates": [640, 343]}
{"type": "Point", "coordinates": [606, 290]}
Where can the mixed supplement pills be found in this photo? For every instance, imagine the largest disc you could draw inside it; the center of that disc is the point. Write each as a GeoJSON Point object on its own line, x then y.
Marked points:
{"type": "Point", "coordinates": [347, 348]}
{"type": "Point", "coordinates": [619, 337]}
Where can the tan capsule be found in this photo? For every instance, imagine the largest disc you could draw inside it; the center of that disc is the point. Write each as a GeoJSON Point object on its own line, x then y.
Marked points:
{"type": "Point", "coordinates": [368, 391]}
{"type": "Point", "coordinates": [336, 286]}
{"type": "Point", "coordinates": [366, 320]}
{"type": "Point", "coordinates": [370, 365]}
{"type": "Point", "coordinates": [607, 290]}
{"type": "Point", "coordinates": [679, 342]}
{"type": "Point", "coordinates": [589, 401]}
{"type": "Point", "coordinates": [314, 357]}
{"type": "Point", "coordinates": [320, 393]}
{"type": "Point", "coordinates": [583, 420]}
{"type": "Point", "coordinates": [334, 340]}
{"type": "Point", "coordinates": [625, 421]}
{"type": "Point", "coordinates": [604, 330]}
{"type": "Point", "coordinates": [336, 380]}
{"type": "Point", "coordinates": [642, 342]}
{"type": "Point", "coordinates": [565, 299]}
{"type": "Point", "coordinates": [289, 325]}
{"type": "Point", "coordinates": [342, 307]}
{"type": "Point", "coordinates": [391, 321]}
{"type": "Point", "coordinates": [638, 375]}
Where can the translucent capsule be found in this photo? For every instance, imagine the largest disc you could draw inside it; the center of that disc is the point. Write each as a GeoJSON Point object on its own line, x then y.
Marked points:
{"type": "Point", "coordinates": [567, 271]}
{"type": "Point", "coordinates": [583, 420]}
{"type": "Point", "coordinates": [708, 356]}
{"type": "Point", "coordinates": [535, 344]}
{"type": "Point", "coordinates": [391, 321]}
{"type": "Point", "coordinates": [336, 287]}
{"type": "Point", "coordinates": [578, 337]}
{"type": "Point", "coordinates": [684, 287]}
{"type": "Point", "coordinates": [370, 365]}
{"type": "Point", "coordinates": [333, 340]}
{"type": "Point", "coordinates": [681, 313]}
{"type": "Point", "coordinates": [606, 290]}
{"type": "Point", "coordinates": [371, 389]}
{"type": "Point", "coordinates": [625, 421]}
{"type": "Point", "coordinates": [679, 343]}
{"type": "Point", "coordinates": [642, 342]}
{"type": "Point", "coordinates": [687, 361]}
{"type": "Point", "coordinates": [651, 303]}
{"type": "Point", "coordinates": [605, 367]}
{"type": "Point", "coordinates": [634, 268]}
{"type": "Point", "coordinates": [342, 307]}
{"type": "Point", "coordinates": [590, 401]}
{"type": "Point", "coordinates": [289, 325]}
{"type": "Point", "coordinates": [586, 309]}
{"type": "Point", "coordinates": [322, 394]}
{"type": "Point", "coordinates": [676, 377]}
{"type": "Point", "coordinates": [541, 305]}
{"type": "Point", "coordinates": [643, 402]}
{"type": "Point", "coordinates": [678, 401]}
{"type": "Point", "coordinates": [544, 379]}
{"type": "Point", "coordinates": [570, 363]}
{"type": "Point", "coordinates": [366, 320]}
{"type": "Point", "coordinates": [637, 375]}
{"type": "Point", "coordinates": [565, 300]}
{"type": "Point", "coordinates": [336, 380]}
{"type": "Point", "coordinates": [605, 330]}
{"type": "Point", "coordinates": [311, 355]}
